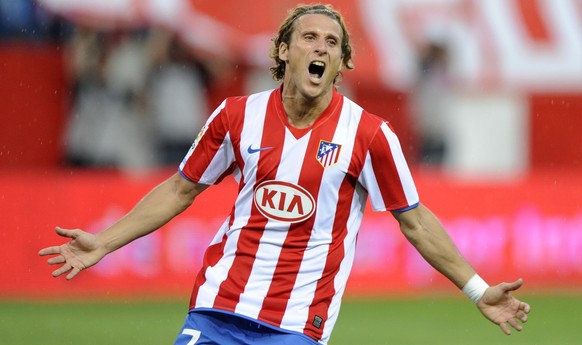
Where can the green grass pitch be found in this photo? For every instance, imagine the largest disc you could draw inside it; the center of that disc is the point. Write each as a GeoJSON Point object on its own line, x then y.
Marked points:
{"type": "Point", "coordinates": [555, 320]}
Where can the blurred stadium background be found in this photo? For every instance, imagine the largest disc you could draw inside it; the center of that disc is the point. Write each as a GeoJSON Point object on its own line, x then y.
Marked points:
{"type": "Point", "coordinates": [101, 98]}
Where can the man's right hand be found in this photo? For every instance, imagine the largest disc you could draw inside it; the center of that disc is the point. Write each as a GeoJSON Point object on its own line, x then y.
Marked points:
{"type": "Point", "coordinates": [82, 251]}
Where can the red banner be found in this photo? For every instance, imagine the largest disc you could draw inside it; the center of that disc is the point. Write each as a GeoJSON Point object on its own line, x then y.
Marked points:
{"type": "Point", "coordinates": [531, 228]}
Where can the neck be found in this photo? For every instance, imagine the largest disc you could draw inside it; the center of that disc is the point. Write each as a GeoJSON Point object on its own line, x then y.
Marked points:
{"type": "Point", "coordinates": [302, 112]}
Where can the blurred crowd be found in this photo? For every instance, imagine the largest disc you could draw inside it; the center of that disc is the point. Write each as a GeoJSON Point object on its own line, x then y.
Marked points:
{"type": "Point", "coordinates": [138, 101]}
{"type": "Point", "coordinates": [139, 95]}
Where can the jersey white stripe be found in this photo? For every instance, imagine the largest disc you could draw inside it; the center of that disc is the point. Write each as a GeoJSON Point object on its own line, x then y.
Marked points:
{"type": "Point", "coordinates": [221, 161]}
{"type": "Point", "coordinates": [403, 171]}
{"type": "Point", "coordinates": [251, 134]}
{"type": "Point", "coordinates": [368, 179]}
{"type": "Point", "coordinates": [215, 275]}
{"type": "Point", "coordinates": [242, 208]}
{"type": "Point", "coordinates": [270, 243]}
{"type": "Point", "coordinates": [353, 226]}
{"type": "Point", "coordinates": [312, 267]}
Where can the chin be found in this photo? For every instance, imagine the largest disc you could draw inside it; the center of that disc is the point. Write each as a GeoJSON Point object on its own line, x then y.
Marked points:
{"type": "Point", "coordinates": [312, 93]}
{"type": "Point", "coordinates": [318, 89]}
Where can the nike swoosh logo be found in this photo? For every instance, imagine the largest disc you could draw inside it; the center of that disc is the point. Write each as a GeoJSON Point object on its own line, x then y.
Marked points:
{"type": "Point", "coordinates": [251, 150]}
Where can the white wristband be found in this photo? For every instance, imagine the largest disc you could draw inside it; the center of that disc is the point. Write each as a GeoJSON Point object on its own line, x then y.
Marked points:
{"type": "Point", "coordinates": [475, 288]}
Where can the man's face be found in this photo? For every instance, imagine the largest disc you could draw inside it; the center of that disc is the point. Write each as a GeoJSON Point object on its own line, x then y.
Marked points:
{"type": "Point", "coordinates": [314, 56]}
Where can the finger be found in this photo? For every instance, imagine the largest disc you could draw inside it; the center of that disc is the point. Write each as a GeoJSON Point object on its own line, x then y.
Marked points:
{"type": "Point", "coordinates": [74, 272]}
{"type": "Point", "coordinates": [50, 251]}
{"type": "Point", "coordinates": [56, 260]}
{"type": "Point", "coordinates": [63, 269]}
{"type": "Point", "coordinates": [515, 324]}
{"type": "Point", "coordinates": [525, 307]}
{"type": "Point", "coordinates": [504, 328]}
{"type": "Point", "coordinates": [521, 316]}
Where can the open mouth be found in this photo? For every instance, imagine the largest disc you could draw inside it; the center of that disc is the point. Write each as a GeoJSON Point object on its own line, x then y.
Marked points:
{"type": "Point", "coordinates": [316, 69]}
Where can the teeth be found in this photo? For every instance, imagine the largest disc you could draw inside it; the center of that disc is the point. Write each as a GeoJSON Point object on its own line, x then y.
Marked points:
{"type": "Point", "coordinates": [316, 69]}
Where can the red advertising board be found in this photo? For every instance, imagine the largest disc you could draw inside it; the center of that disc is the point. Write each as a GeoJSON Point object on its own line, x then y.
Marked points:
{"type": "Point", "coordinates": [530, 228]}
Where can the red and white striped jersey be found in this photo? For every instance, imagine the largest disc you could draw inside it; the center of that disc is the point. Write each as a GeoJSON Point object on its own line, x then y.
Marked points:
{"type": "Point", "coordinates": [284, 254]}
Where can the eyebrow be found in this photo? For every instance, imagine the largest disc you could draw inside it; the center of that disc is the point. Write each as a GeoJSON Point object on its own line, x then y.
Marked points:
{"type": "Point", "coordinates": [317, 33]}
{"type": "Point", "coordinates": [312, 30]}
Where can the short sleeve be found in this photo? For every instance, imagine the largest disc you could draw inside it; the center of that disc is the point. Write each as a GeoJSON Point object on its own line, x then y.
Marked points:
{"type": "Point", "coordinates": [211, 156]}
{"type": "Point", "coordinates": [386, 175]}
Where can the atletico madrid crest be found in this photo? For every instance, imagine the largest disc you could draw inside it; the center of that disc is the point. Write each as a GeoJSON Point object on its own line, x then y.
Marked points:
{"type": "Point", "coordinates": [328, 153]}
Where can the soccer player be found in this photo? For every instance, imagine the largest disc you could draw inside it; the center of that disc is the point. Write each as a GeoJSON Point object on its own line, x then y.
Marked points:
{"type": "Point", "coordinates": [306, 159]}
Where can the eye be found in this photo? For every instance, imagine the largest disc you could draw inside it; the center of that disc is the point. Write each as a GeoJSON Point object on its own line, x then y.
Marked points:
{"type": "Point", "coordinates": [332, 42]}
{"type": "Point", "coordinates": [309, 37]}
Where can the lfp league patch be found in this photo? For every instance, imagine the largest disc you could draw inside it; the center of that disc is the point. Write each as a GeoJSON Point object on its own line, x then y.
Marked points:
{"type": "Point", "coordinates": [328, 153]}
{"type": "Point", "coordinates": [196, 141]}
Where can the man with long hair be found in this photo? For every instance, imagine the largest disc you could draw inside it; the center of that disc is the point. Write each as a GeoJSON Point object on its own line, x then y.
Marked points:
{"type": "Point", "coordinates": [306, 159]}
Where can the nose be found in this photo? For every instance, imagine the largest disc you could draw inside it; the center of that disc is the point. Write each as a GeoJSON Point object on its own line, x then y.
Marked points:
{"type": "Point", "coordinates": [320, 46]}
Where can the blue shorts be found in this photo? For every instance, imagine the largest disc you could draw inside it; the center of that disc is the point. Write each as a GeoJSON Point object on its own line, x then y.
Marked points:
{"type": "Point", "coordinates": [214, 327]}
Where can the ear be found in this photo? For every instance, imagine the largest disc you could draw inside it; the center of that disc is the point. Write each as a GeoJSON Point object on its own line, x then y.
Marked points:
{"type": "Point", "coordinates": [283, 52]}
{"type": "Point", "coordinates": [341, 66]}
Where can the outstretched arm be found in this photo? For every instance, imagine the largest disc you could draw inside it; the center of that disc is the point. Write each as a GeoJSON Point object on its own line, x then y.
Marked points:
{"type": "Point", "coordinates": [159, 206]}
{"type": "Point", "coordinates": [424, 231]}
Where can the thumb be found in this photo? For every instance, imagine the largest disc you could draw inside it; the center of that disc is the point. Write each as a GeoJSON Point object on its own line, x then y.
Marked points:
{"type": "Point", "coordinates": [66, 232]}
{"type": "Point", "coordinates": [506, 287]}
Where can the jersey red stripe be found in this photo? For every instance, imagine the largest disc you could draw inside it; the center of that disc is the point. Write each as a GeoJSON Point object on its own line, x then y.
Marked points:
{"type": "Point", "coordinates": [212, 255]}
{"type": "Point", "coordinates": [248, 242]}
{"type": "Point", "coordinates": [389, 182]}
{"type": "Point", "coordinates": [299, 234]}
{"type": "Point", "coordinates": [325, 286]}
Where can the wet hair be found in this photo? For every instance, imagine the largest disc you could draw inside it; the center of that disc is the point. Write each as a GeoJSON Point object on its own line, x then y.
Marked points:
{"type": "Point", "coordinates": [286, 30]}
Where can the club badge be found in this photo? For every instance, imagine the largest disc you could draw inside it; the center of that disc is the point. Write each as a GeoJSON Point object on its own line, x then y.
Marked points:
{"type": "Point", "coordinates": [328, 153]}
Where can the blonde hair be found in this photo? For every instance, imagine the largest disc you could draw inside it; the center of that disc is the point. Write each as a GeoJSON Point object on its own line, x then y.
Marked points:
{"type": "Point", "coordinates": [286, 30]}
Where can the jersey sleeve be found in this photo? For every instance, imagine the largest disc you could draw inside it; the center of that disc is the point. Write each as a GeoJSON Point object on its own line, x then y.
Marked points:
{"type": "Point", "coordinates": [386, 175]}
{"type": "Point", "coordinates": [211, 156]}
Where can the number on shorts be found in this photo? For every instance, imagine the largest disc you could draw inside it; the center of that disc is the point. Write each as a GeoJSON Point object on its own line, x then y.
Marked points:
{"type": "Point", "coordinates": [194, 333]}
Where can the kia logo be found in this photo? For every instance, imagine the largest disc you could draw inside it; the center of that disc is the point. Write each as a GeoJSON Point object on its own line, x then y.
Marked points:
{"type": "Point", "coordinates": [284, 201]}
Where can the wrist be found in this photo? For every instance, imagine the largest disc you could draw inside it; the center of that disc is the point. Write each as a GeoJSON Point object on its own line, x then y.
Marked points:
{"type": "Point", "coordinates": [105, 242]}
{"type": "Point", "coordinates": [475, 288]}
